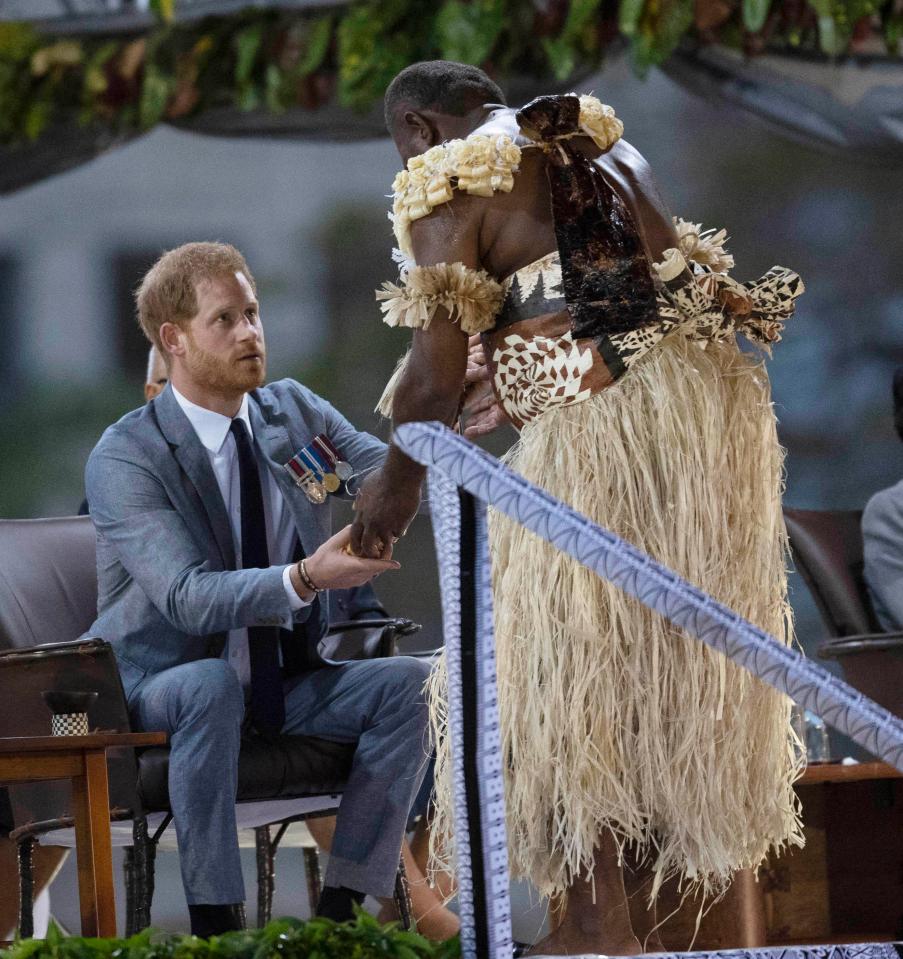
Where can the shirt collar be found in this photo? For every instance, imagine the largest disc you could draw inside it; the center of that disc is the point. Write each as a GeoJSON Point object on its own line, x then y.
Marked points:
{"type": "Point", "coordinates": [211, 427]}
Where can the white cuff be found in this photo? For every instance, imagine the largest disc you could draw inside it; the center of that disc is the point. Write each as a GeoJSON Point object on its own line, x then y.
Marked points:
{"type": "Point", "coordinates": [294, 600]}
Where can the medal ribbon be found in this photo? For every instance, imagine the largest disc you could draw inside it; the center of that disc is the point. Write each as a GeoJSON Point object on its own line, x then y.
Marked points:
{"type": "Point", "coordinates": [318, 463]}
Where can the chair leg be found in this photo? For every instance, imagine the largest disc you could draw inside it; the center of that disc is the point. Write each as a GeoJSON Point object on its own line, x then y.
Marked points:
{"type": "Point", "coordinates": [25, 856]}
{"type": "Point", "coordinates": [266, 861]}
{"type": "Point", "coordinates": [313, 876]}
{"type": "Point", "coordinates": [150, 867]}
{"type": "Point", "coordinates": [129, 880]}
{"type": "Point", "coordinates": [403, 897]}
{"type": "Point", "coordinates": [143, 871]}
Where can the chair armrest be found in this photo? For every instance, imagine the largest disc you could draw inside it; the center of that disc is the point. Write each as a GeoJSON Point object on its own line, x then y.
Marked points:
{"type": "Point", "coordinates": [862, 643]}
{"type": "Point", "coordinates": [51, 649]}
{"type": "Point", "coordinates": [401, 627]}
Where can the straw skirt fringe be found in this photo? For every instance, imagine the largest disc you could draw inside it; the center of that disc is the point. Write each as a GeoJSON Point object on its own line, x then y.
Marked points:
{"type": "Point", "coordinates": [612, 719]}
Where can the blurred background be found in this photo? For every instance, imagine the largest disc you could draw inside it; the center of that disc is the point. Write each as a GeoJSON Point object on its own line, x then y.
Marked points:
{"type": "Point", "coordinates": [310, 218]}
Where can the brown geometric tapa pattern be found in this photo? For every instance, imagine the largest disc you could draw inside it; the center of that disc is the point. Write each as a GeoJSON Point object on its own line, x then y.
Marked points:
{"type": "Point", "coordinates": [534, 375]}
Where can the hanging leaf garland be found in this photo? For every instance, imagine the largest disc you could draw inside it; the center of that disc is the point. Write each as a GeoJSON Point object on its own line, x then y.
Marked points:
{"type": "Point", "coordinates": [280, 59]}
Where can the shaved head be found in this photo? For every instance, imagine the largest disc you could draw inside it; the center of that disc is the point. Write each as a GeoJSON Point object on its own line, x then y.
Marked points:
{"type": "Point", "coordinates": [442, 86]}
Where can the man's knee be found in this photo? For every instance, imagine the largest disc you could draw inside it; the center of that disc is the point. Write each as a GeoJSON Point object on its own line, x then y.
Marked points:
{"type": "Point", "coordinates": [404, 677]}
{"type": "Point", "coordinates": [212, 687]}
{"type": "Point", "coordinates": [410, 672]}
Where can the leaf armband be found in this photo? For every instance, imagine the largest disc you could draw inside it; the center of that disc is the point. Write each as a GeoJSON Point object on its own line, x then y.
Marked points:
{"type": "Point", "coordinates": [472, 297]}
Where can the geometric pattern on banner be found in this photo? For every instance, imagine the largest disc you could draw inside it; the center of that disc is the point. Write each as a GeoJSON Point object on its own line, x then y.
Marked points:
{"type": "Point", "coordinates": [867, 950]}
{"type": "Point", "coordinates": [490, 782]}
{"type": "Point", "coordinates": [69, 724]}
{"type": "Point", "coordinates": [806, 682]}
{"type": "Point", "coordinates": [482, 872]}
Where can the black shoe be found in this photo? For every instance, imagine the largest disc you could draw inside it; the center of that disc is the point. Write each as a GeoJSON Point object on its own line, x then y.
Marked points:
{"type": "Point", "coordinates": [338, 902]}
{"type": "Point", "coordinates": [207, 921]}
{"type": "Point", "coordinates": [520, 949]}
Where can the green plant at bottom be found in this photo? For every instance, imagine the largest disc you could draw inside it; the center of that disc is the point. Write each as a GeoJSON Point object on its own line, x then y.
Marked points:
{"type": "Point", "coordinates": [363, 938]}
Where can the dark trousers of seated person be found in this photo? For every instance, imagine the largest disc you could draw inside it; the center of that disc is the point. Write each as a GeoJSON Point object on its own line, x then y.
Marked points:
{"type": "Point", "coordinates": [377, 704]}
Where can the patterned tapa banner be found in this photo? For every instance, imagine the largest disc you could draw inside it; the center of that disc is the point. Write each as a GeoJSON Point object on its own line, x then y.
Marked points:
{"type": "Point", "coordinates": [481, 845]}
{"type": "Point", "coordinates": [865, 950]}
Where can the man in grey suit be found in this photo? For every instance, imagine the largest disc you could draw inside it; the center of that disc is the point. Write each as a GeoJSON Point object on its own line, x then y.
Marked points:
{"type": "Point", "coordinates": [212, 570]}
{"type": "Point", "coordinates": [882, 534]}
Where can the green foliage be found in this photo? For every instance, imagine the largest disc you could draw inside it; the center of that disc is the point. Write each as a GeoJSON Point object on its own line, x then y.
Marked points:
{"type": "Point", "coordinates": [755, 12]}
{"type": "Point", "coordinates": [364, 938]}
{"type": "Point", "coordinates": [164, 9]}
{"type": "Point", "coordinates": [468, 32]}
{"type": "Point", "coordinates": [376, 40]}
{"type": "Point", "coordinates": [564, 51]}
{"type": "Point", "coordinates": [662, 26]}
{"type": "Point", "coordinates": [279, 59]}
{"type": "Point", "coordinates": [629, 13]}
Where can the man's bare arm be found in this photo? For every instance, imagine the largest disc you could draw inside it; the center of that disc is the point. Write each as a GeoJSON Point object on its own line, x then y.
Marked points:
{"type": "Point", "coordinates": [431, 385]}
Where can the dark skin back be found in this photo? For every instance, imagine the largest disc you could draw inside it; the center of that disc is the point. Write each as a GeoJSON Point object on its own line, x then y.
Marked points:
{"type": "Point", "coordinates": [499, 234]}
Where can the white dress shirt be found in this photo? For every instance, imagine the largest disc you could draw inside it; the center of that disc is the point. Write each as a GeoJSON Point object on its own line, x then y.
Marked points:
{"type": "Point", "coordinates": [213, 431]}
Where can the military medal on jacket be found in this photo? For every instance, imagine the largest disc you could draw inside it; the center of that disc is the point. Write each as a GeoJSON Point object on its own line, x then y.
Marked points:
{"type": "Point", "coordinates": [318, 469]}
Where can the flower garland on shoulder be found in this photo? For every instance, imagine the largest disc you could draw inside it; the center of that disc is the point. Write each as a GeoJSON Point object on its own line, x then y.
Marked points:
{"type": "Point", "coordinates": [481, 164]}
{"type": "Point", "coordinates": [599, 122]}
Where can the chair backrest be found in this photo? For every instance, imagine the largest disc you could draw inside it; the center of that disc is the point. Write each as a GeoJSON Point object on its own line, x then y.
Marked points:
{"type": "Point", "coordinates": [827, 551]}
{"type": "Point", "coordinates": [48, 580]}
{"type": "Point", "coordinates": [48, 597]}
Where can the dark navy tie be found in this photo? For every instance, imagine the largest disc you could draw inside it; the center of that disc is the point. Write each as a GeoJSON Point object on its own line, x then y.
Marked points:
{"type": "Point", "coordinates": [267, 701]}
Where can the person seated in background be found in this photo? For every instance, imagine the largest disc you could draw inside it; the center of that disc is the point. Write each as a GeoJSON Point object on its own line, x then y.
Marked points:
{"type": "Point", "coordinates": [214, 568]}
{"type": "Point", "coordinates": [882, 535]}
{"type": "Point", "coordinates": [157, 375]}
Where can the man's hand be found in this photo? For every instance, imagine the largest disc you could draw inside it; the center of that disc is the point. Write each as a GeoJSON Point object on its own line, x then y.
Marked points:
{"type": "Point", "coordinates": [333, 566]}
{"type": "Point", "coordinates": [481, 413]}
{"type": "Point", "coordinates": [477, 367]}
{"type": "Point", "coordinates": [385, 506]}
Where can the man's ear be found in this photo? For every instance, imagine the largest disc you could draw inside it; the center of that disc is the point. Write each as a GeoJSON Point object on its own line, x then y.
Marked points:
{"type": "Point", "coordinates": [421, 131]}
{"type": "Point", "coordinates": [172, 338]}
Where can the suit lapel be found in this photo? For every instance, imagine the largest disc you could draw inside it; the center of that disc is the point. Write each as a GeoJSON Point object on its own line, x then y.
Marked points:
{"type": "Point", "coordinates": [192, 457]}
{"type": "Point", "coordinates": [276, 445]}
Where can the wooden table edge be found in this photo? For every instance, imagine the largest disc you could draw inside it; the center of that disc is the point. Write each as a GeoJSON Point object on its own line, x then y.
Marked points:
{"type": "Point", "coordinates": [855, 772]}
{"type": "Point", "coordinates": [33, 744]}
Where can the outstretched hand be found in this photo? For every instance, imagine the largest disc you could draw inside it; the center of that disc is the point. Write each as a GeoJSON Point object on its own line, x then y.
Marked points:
{"type": "Point", "coordinates": [334, 566]}
{"type": "Point", "coordinates": [384, 509]}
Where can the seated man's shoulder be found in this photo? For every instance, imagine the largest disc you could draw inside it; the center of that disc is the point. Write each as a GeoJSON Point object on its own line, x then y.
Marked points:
{"type": "Point", "coordinates": [125, 435]}
{"type": "Point", "coordinates": [288, 396]}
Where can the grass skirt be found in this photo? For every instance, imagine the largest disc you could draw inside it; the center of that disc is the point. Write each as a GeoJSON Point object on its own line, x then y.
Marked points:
{"type": "Point", "coordinates": [612, 719]}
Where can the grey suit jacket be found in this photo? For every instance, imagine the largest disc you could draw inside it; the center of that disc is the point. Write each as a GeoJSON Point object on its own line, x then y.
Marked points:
{"type": "Point", "coordinates": [882, 534]}
{"type": "Point", "coordinates": [168, 591]}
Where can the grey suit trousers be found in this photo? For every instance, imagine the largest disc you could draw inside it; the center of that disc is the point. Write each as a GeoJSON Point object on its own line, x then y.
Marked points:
{"type": "Point", "coordinates": [378, 704]}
